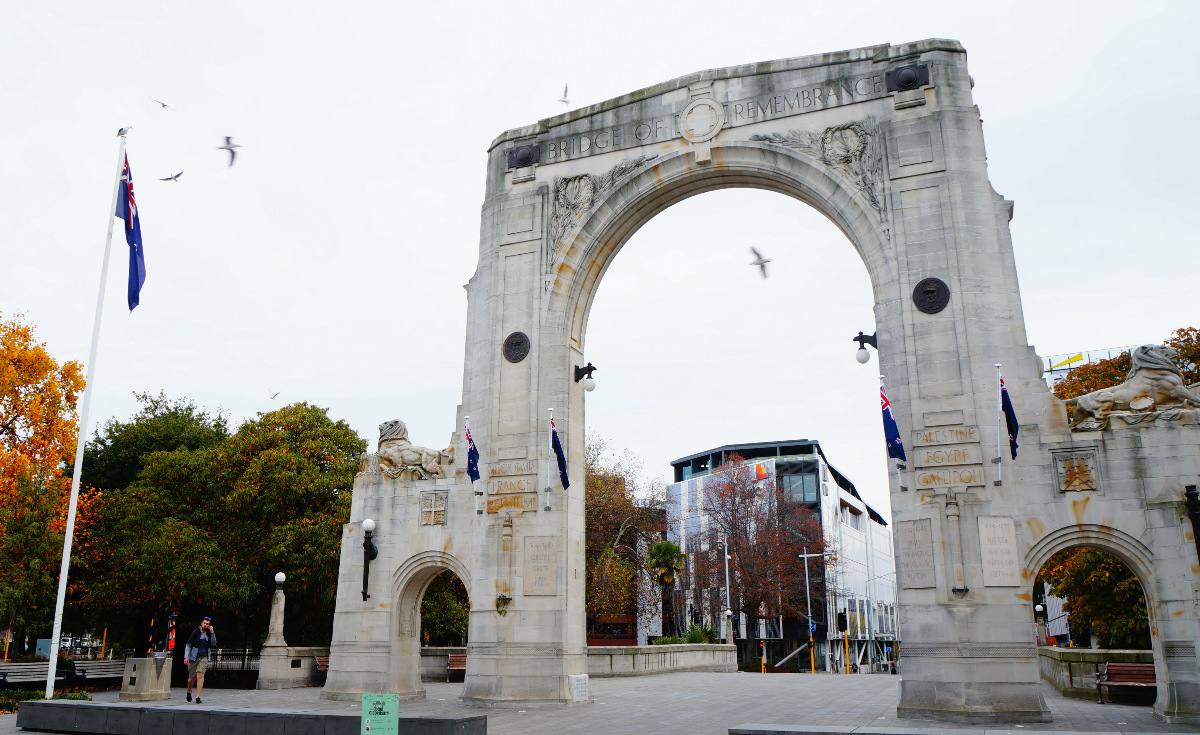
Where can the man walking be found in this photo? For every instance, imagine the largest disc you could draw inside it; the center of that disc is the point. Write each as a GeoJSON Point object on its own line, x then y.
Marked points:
{"type": "Point", "coordinates": [195, 656]}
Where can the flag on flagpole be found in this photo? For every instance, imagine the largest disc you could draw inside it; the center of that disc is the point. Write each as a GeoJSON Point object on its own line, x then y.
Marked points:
{"type": "Point", "coordinates": [127, 210]}
{"type": "Point", "coordinates": [472, 454]}
{"type": "Point", "coordinates": [558, 452]}
{"type": "Point", "coordinates": [1010, 419]}
{"type": "Point", "coordinates": [891, 432]}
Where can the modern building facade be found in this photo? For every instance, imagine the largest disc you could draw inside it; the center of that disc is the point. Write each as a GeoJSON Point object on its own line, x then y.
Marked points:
{"type": "Point", "coordinates": [862, 583]}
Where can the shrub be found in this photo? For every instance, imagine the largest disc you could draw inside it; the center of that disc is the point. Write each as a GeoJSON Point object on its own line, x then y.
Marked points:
{"type": "Point", "coordinates": [704, 633]}
{"type": "Point", "coordinates": [666, 640]}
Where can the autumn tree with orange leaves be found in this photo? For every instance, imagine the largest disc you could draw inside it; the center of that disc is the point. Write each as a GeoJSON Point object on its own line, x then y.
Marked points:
{"type": "Point", "coordinates": [38, 427]}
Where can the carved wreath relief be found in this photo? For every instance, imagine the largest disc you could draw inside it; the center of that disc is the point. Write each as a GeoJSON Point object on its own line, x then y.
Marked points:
{"type": "Point", "coordinates": [853, 149]}
{"type": "Point", "coordinates": [574, 196]}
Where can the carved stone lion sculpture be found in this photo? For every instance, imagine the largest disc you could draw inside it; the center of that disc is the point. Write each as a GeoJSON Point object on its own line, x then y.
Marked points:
{"type": "Point", "coordinates": [397, 454]}
{"type": "Point", "coordinates": [1154, 381]}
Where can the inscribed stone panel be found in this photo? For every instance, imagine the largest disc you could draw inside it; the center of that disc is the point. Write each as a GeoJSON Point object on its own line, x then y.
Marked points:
{"type": "Point", "coordinates": [998, 550]}
{"type": "Point", "coordinates": [541, 565]}
{"type": "Point", "coordinates": [914, 541]}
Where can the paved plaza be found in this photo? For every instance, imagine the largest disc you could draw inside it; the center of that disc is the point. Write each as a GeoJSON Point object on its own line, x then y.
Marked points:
{"type": "Point", "coordinates": [694, 704]}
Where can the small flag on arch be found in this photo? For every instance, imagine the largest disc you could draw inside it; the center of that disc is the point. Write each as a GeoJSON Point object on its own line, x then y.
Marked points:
{"type": "Point", "coordinates": [1010, 419]}
{"type": "Point", "coordinates": [472, 454]}
{"type": "Point", "coordinates": [558, 452]}
{"type": "Point", "coordinates": [127, 210]}
{"type": "Point", "coordinates": [891, 432]}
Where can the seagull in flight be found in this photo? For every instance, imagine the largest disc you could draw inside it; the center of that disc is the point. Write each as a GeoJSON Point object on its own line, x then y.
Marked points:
{"type": "Point", "coordinates": [164, 104]}
{"type": "Point", "coordinates": [564, 99]}
{"type": "Point", "coordinates": [229, 146]}
{"type": "Point", "coordinates": [121, 133]}
{"type": "Point", "coordinates": [276, 393]}
{"type": "Point", "coordinates": [760, 261]}
{"type": "Point", "coordinates": [173, 178]}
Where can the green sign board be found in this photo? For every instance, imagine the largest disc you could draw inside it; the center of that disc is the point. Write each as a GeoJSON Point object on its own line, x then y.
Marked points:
{"type": "Point", "coordinates": [380, 714]}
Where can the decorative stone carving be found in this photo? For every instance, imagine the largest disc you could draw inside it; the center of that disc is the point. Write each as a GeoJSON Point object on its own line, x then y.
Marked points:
{"type": "Point", "coordinates": [516, 347]}
{"type": "Point", "coordinates": [1076, 469]}
{"type": "Point", "coordinates": [853, 149]}
{"type": "Point", "coordinates": [574, 196]}
{"type": "Point", "coordinates": [1154, 382]}
{"type": "Point", "coordinates": [398, 455]}
{"type": "Point", "coordinates": [433, 509]}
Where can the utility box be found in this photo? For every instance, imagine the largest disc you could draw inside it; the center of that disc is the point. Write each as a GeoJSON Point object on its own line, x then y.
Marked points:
{"type": "Point", "coordinates": [146, 679]}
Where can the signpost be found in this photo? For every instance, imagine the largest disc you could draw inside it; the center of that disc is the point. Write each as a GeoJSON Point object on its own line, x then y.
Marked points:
{"type": "Point", "coordinates": [380, 714]}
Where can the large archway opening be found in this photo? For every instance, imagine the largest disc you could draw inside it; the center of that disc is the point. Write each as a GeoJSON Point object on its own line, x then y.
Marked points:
{"type": "Point", "coordinates": [700, 350]}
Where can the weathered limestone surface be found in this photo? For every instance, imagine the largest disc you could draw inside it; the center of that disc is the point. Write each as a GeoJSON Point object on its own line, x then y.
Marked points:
{"type": "Point", "coordinates": [904, 175]}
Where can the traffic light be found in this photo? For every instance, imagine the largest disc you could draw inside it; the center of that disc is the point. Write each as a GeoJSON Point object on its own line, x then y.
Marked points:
{"type": "Point", "coordinates": [842, 625]}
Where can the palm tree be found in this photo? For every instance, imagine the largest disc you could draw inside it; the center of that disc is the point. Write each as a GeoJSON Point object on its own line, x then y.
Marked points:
{"type": "Point", "coordinates": [664, 558]}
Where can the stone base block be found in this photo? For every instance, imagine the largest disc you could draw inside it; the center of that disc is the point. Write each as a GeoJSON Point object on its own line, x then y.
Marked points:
{"type": "Point", "coordinates": [974, 703]}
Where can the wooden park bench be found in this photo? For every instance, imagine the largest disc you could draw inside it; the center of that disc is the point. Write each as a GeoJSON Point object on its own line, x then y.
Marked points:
{"type": "Point", "coordinates": [28, 673]}
{"type": "Point", "coordinates": [322, 663]}
{"type": "Point", "coordinates": [91, 670]}
{"type": "Point", "coordinates": [456, 662]}
{"type": "Point", "coordinates": [1124, 675]}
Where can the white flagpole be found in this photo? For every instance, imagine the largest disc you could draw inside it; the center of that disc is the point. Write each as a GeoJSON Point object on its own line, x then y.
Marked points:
{"type": "Point", "coordinates": [549, 456]}
{"type": "Point", "coordinates": [999, 431]}
{"type": "Point", "coordinates": [80, 440]}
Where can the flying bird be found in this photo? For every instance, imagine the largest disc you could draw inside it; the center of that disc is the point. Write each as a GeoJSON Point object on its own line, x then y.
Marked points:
{"type": "Point", "coordinates": [564, 99]}
{"type": "Point", "coordinates": [276, 393]}
{"type": "Point", "coordinates": [229, 146]}
{"type": "Point", "coordinates": [173, 178]}
{"type": "Point", "coordinates": [121, 133]}
{"type": "Point", "coordinates": [164, 104]}
{"type": "Point", "coordinates": [760, 261]}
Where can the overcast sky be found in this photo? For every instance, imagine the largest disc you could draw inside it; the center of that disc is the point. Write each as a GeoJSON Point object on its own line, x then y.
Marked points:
{"type": "Point", "coordinates": [327, 265]}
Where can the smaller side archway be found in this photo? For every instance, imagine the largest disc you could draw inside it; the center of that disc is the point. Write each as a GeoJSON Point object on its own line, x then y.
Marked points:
{"type": "Point", "coordinates": [1131, 552]}
{"type": "Point", "coordinates": [409, 582]}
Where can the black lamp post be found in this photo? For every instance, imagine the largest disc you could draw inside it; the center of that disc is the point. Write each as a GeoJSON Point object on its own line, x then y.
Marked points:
{"type": "Point", "coordinates": [1192, 500]}
{"type": "Point", "coordinates": [369, 554]}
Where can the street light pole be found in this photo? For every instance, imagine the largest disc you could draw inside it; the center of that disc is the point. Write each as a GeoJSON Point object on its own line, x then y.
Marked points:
{"type": "Point", "coordinates": [728, 608]}
{"type": "Point", "coordinates": [808, 604]}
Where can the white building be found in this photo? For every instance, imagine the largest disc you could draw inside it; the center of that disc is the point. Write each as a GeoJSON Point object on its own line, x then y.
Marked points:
{"type": "Point", "coordinates": [862, 583]}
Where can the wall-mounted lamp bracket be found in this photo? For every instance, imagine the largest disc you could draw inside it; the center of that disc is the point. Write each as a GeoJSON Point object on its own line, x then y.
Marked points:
{"type": "Point", "coordinates": [584, 372]}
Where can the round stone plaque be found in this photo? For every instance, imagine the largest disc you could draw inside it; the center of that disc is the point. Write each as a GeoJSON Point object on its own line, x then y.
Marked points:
{"type": "Point", "coordinates": [701, 120]}
{"type": "Point", "coordinates": [516, 347]}
{"type": "Point", "coordinates": [931, 295]}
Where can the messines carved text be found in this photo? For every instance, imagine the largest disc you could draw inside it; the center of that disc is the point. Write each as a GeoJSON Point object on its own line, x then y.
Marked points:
{"type": "Point", "coordinates": [507, 469]}
{"type": "Point", "coordinates": [796, 101]}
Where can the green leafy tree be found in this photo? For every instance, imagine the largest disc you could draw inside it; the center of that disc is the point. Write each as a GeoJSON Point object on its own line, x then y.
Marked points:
{"type": "Point", "coordinates": [203, 529]}
{"type": "Point", "coordinates": [445, 611]}
{"type": "Point", "coordinates": [1102, 594]}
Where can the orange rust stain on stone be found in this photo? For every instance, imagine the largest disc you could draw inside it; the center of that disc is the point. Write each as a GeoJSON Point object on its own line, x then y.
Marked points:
{"type": "Point", "coordinates": [1177, 612]}
{"type": "Point", "coordinates": [1079, 507]}
{"type": "Point", "coordinates": [1025, 596]}
{"type": "Point", "coordinates": [1026, 573]}
{"type": "Point", "coordinates": [1036, 528]}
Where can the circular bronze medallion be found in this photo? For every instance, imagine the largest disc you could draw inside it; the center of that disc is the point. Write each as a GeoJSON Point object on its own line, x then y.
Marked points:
{"type": "Point", "coordinates": [931, 295]}
{"type": "Point", "coordinates": [516, 347]}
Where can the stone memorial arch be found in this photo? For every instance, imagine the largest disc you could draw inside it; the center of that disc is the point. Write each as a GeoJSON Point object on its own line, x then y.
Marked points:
{"type": "Point", "coordinates": [887, 143]}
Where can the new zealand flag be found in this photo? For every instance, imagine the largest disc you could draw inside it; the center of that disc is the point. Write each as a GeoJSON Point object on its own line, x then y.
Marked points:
{"type": "Point", "coordinates": [127, 210]}
{"type": "Point", "coordinates": [558, 452]}
{"type": "Point", "coordinates": [472, 455]}
{"type": "Point", "coordinates": [891, 432]}
{"type": "Point", "coordinates": [1010, 419]}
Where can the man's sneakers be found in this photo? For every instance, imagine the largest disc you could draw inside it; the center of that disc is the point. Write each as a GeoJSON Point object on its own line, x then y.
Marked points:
{"type": "Point", "coordinates": [198, 701]}
{"type": "Point", "coordinates": [189, 696]}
